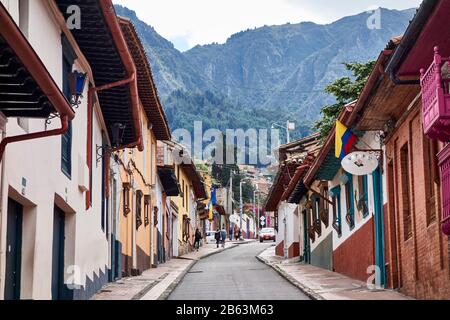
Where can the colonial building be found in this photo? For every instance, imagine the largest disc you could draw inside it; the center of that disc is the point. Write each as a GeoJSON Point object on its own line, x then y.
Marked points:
{"type": "Point", "coordinates": [69, 93]}
{"type": "Point", "coordinates": [294, 160]}
{"type": "Point", "coordinates": [142, 205]}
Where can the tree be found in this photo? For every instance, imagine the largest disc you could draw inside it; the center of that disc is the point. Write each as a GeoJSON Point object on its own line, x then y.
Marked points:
{"type": "Point", "coordinates": [345, 90]}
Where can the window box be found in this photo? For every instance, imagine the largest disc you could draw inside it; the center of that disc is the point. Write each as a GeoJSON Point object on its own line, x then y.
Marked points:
{"type": "Point", "coordinates": [436, 99]}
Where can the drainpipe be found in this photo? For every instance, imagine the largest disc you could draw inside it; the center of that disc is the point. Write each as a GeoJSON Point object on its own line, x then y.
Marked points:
{"type": "Point", "coordinates": [2, 183]}
{"type": "Point", "coordinates": [122, 48]}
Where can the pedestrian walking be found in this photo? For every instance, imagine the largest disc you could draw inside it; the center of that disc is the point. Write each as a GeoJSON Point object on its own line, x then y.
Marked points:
{"type": "Point", "coordinates": [223, 236]}
{"type": "Point", "coordinates": [236, 233]}
{"type": "Point", "coordinates": [218, 237]}
{"type": "Point", "coordinates": [198, 239]}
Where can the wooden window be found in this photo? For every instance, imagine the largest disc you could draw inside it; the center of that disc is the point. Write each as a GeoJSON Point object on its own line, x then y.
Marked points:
{"type": "Point", "coordinates": [405, 194]}
{"type": "Point", "coordinates": [349, 200]}
{"type": "Point", "coordinates": [363, 196]}
{"type": "Point", "coordinates": [66, 152]}
{"type": "Point", "coordinates": [317, 223]}
{"type": "Point", "coordinates": [147, 203]}
{"type": "Point", "coordinates": [139, 196]}
{"type": "Point", "coordinates": [432, 180]}
{"type": "Point", "coordinates": [183, 195]}
{"type": "Point", "coordinates": [126, 199]}
{"type": "Point", "coordinates": [324, 206]}
{"type": "Point", "coordinates": [276, 220]}
{"type": "Point", "coordinates": [337, 210]}
{"type": "Point", "coordinates": [68, 59]}
{"type": "Point", "coordinates": [66, 139]}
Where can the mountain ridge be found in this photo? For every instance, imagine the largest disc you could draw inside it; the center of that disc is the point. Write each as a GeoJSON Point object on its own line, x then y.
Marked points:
{"type": "Point", "coordinates": [265, 73]}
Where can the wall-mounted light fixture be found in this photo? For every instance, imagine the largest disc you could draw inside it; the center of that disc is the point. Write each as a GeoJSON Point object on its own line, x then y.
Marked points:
{"type": "Point", "coordinates": [77, 82]}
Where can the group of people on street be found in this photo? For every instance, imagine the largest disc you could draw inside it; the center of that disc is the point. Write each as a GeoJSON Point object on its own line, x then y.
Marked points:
{"type": "Point", "coordinates": [220, 237]}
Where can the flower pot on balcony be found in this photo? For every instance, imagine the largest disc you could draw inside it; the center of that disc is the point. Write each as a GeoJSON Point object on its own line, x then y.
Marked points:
{"type": "Point", "coordinates": [436, 100]}
{"type": "Point", "coordinates": [444, 164]}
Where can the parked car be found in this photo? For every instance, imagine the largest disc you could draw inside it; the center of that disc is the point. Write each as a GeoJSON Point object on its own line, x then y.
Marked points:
{"type": "Point", "coordinates": [210, 237]}
{"type": "Point", "coordinates": [267, 234]}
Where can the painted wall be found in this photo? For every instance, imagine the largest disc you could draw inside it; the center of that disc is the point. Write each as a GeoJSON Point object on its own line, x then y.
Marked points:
{"type": "Point", "coordinates": [139, 170]}
{"type": "Point", "coordinates": [288, 231]}
{"type": "Point", "coordinates": [38, 163]}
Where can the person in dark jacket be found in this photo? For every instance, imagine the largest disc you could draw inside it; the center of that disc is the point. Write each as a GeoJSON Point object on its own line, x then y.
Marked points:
{"type": "Point", "coordinates": [218, 237]}
{"type": "Point", "coordinates": [198, 238]}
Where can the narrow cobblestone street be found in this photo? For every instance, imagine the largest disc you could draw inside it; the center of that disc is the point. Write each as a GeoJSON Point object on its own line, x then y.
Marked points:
{"type": "Point", "coordinates": [235, 274]}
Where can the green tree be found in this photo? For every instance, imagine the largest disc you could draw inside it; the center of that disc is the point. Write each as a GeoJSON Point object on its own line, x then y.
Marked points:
{"type": "Point", "coordinates": [345, 90]}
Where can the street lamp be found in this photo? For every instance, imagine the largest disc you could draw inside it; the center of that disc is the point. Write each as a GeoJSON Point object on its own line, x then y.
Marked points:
{"type": "Point", "coordinates": [290, 126]}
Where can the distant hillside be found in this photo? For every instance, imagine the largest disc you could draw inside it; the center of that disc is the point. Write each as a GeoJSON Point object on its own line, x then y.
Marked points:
{"type": "Point", "coordinates": [265, 74]}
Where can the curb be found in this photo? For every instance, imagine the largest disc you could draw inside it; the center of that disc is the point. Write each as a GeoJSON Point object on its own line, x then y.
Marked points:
{"type": "Point", "coordinates": [177, 281]}
{"type": "Point", "coordinates": [307, 291]}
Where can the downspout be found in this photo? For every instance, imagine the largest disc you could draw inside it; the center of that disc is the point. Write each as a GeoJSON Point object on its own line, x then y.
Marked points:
{"type": "Point", "coordinates": [111, 20]}
{"type": "Point", "coordinates": [2, 191]}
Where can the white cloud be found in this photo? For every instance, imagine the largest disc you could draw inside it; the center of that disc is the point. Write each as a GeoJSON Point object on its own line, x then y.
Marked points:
{"type": "Point", "coordinates": [191, 22]}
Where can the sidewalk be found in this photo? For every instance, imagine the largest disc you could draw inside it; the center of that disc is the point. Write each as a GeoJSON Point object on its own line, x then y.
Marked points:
{"type": "Point", "coordinates": [321, 284]}
{"type": "Point", "coordinates": [158, 283]}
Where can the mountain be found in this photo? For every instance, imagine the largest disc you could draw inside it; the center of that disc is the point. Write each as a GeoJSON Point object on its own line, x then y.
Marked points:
{"type": "Point", "coordinates": [264, 74]}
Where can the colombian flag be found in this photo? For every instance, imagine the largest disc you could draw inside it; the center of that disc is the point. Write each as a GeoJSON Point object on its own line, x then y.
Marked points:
{"type": "Point", "coordinates": [345, 140]}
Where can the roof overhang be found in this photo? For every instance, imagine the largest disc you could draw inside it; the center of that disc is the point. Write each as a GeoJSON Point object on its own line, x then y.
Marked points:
{"type": "Point", "coordinates": [26, 87]}
{"type": "Point", "coordinates": [98, 42]}
{"type": "Point", "coordinates": [197, 181]}
{"type": "Point", "coordinates": [169, 181]}
{"type": "Point", "coordinates": [429, 28]}
{"type": "Point", "coordinates": [146, 86]}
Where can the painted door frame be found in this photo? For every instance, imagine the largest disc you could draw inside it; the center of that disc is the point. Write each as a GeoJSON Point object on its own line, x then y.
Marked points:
{"type": "Point", "coordinates": [58, 292]}
{"type": "Point", "coordinates": [306, 239]}
{"type": "Point", "coordinates": [380, 259]}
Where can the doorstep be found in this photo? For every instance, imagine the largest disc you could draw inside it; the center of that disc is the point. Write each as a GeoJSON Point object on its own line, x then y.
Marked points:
{"type": "Point", "coordinates": [321, 284]}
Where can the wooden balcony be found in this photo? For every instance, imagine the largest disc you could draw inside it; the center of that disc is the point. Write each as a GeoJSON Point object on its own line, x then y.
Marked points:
{"type": "Point", "coordinates": [436, 99]}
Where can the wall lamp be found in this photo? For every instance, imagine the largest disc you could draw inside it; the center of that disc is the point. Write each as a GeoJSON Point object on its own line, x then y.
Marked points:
{"type": "Point", "coordinates": [77, 82]}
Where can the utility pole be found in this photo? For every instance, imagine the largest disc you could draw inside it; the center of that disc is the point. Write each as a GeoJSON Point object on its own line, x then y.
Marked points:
{"type": "Point", "coordinates": [241, 202]}
{"type": "Point", "coordinates": [288, 135]}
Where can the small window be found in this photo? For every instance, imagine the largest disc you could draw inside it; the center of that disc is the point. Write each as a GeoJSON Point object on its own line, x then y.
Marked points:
{"type": "Point", "coordinates": [66, 152]}
{"type": "Point", "coordinates": [363, 196]}
{"type": "Point", "coordinates": [349, 201]}
{"type": "Point", "coordinates": [405, 194]}
{"type": "Point", "coordinates": [139, 196]}
{"type": "Point", "coordinates": [316, 222]}
{"type": "Point", "coordinates": [337, 210]}
{"type": "Point", "coordinates": [66, 139]}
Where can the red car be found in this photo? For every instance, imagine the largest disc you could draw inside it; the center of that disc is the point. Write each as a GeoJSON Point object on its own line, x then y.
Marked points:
{"type": "Point", "coordinates": [267, 234]}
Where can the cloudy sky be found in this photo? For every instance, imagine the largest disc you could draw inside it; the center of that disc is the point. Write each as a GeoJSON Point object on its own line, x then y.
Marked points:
{"type": "Point", "coordinates": [190, 22]}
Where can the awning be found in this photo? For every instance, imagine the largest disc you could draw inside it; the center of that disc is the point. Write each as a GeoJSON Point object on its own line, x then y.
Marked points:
{"type": "Point", "coordinates": [26, 87]}
{"type": "Point", "coordinates": [148, 93]}
{"type": "Point", "coordinates": [169, 181]}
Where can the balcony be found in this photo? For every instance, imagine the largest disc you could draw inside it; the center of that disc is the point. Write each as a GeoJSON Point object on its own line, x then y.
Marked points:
{"type": "Point", "coordinates": [444, 164]}
{"type": "Point", "coordinates": [436, 99]}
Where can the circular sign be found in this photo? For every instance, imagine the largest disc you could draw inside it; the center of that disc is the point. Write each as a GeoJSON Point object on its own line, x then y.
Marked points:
{"type": "Point", "coordinates": [360, 163]}
{"type": "Point", "coordinates": [263, 223]}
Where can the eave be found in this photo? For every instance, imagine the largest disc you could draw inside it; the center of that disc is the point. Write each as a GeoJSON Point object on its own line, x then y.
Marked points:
{"type": "Point", "coordinates": [147, 90]}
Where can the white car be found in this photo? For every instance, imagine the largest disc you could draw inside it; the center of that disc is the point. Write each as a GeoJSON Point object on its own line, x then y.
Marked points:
{"type": "Point", "coordinates": [210, 237]}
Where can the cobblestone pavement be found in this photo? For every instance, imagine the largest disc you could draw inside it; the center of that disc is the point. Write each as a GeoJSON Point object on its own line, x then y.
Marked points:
{"type": "Point", "coordinates": [235, 275]}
